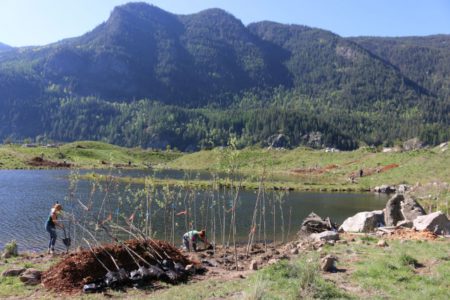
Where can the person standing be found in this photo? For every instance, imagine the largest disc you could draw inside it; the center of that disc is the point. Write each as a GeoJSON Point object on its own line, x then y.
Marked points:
{"type": "Point", "coordinates": [50, 226]}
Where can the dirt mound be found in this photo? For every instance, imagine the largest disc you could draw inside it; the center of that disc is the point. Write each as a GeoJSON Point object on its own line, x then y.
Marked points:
{"type": "Point", "coordinates": [41, 162]}
{"type": "Point", "coordinates": [77, 269]}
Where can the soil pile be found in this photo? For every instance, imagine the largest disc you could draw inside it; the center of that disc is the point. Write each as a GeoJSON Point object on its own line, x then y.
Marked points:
{"type": "Point", "coordinates": [77, 269]}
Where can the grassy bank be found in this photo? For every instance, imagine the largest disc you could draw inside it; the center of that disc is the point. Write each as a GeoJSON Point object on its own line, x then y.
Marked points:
{"type": "Point", "coordinates": [85, 155]}
{"type": "Point", "coordinates": [406, 269]}
{"type": "Point", "coordinates": [315, 170]}
{"type": "Point", "coordinates": [317, 167]}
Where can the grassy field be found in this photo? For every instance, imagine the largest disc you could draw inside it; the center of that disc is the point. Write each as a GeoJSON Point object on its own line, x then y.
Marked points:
{"type": "Point", "coordinates": [316, 167]}
{"type": "Point", "coordinates": [305, 169]}
{"type": "Point", "coordinates": [85, 155]}
{"type": "Point", "coordinates": [405, 269]}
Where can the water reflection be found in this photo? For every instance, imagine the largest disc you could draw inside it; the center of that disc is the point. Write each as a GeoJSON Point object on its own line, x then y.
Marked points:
{"type": "Point", "coordinates": [27, 195]}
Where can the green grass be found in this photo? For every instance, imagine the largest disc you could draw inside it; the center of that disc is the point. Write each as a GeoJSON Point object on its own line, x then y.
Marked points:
{"type": "Point", "coordinates": [404, 270]}
{"type": "Point", "coordinates": [84, 155]}
{"type": "Point", "coordinates": [414, 166]}
{"type": "Point", "coordinates": [11, 286]}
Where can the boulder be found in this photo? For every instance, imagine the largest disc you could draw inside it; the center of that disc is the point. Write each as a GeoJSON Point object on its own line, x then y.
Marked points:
{"type": "Point", "coordinates": [31, 277]}
{"type": "Point", "coordinates": [325, 236]}
{"type": "Point", "coordinates": [363, 222]}
{"type": "Point", "coordinates": [402, 208]}
{"type": "Point", "coordinates": [13, 272]}
{"type": "Point", "coordinates": [410, 209]}
{"type": "Point", "coordinates": [436, 222]}
{"type": "Point", "coordinates": [313, 223]}
{"type": "Point", "coordinates": [393, 213]}
{"type": "Point", "coordinates": [328, 263]}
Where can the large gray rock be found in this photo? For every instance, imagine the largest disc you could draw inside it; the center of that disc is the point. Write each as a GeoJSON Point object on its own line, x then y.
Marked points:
{"type": "Point", "coordinates": [365, 221]}
{"type": "Point", "coordinates": [402, 208]}
{"type": "Point", "coordinates": [436, 222]}
{"type": "Point", "coordinates": [410, 209]}
{"type": "Point", "coordinates": [393, 213]}
{"type": "Point", "coordinates": [325, 236]}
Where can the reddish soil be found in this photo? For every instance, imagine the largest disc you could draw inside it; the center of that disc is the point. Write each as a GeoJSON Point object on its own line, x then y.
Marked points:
{"type": "Point", "coordinates": [371, 171]}
{"type": "Point", "coordinates": [41, 162]}
{"type": "Point", "coordinates": [410, 234]}
{"type": "Point", "coordinates": [78, 268]}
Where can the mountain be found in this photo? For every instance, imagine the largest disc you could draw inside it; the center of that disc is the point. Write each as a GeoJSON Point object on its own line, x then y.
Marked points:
{"type": "Point", "coordinates": [4, 47]}
{"type": "Point", "coordinates": [425, 60]}
{"type": "Point", "coordinates": [151, 78]}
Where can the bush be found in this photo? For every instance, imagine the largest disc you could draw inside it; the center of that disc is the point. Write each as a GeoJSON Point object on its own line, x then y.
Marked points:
{"type": "Point", "coordinates": [11, 249]}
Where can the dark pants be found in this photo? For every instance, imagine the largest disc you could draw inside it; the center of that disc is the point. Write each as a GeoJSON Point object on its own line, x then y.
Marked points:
{"type": "Point", "coordinates": [187, 244]}
{"type": "Point", "coordinates": [52, 231]}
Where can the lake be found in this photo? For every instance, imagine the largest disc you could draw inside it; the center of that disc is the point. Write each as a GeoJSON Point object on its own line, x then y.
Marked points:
{"type": "Point", "coordinates": [26, 197]}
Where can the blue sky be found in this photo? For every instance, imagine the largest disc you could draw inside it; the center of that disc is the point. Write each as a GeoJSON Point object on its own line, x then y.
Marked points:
{"type": "Point", "coordinates": [39, 22]}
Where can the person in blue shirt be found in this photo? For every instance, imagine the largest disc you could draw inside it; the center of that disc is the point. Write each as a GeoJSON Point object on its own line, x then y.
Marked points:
{"type": "Point", "coordinates": [191, 238]}
{"type": "Point", "coordinates": [50, 226]}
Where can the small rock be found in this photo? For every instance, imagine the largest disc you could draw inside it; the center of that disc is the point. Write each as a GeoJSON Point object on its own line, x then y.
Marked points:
{"type": "Point", "coordinates": [294, 251]}
{"type": "Point", "coordinates": [209, 262]}
{"type": "Point", "coordinates": [327, 264]}
{"type": "Point", "coordinates": [13, 272]}
{"type": "Point", "coordinates": [190, 268]}
{"type": "Point", "coordinates": [382, 243]}
{"type": "Point", "coordinates": [31, 277]}
{"type": "Point", "coordinates": [272, 261]}
{"type": "Point", "coordinates": [331, 242]}
{"type": "Point", "coordinates": [253, 265]}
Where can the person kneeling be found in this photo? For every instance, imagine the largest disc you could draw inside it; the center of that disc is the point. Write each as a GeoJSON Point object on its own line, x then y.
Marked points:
{"type": "Point", "coordinates": [191, 238]}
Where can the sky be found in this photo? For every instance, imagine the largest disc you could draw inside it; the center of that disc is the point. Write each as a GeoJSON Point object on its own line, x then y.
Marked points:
{"type": "Point", "coordinates": [39, 22]}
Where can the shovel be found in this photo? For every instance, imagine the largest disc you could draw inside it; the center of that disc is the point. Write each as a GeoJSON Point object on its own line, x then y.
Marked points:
{"type": "Point", "coordinates": [66, 240]}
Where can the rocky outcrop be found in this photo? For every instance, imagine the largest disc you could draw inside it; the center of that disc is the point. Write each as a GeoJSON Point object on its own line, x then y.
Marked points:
{"type": "Point", "coordinates": [436, 222]}
{"type": "Point", "coordinates": [402, 208]}
{"type": "Point", "coordinates": [313, 223]}
{"type": "Point", "coordinates": [278, 141]}
{"type": "Point", "coordinates": [363, 222]}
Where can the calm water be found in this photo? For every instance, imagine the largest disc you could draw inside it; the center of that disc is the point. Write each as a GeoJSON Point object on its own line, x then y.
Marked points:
{"type": "Point", "coordinates": [26, 197]}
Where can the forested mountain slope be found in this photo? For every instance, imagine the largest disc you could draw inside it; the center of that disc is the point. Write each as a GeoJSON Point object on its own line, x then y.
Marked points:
{"type": "Point", "coordinates": [149, 78]}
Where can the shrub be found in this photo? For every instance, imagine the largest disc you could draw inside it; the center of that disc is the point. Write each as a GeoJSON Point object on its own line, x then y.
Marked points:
{"type": "Point", "coordinates": [11, 249]}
